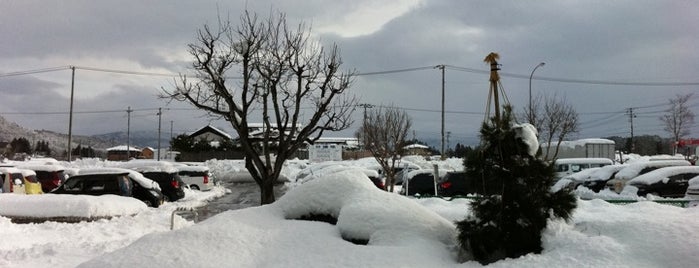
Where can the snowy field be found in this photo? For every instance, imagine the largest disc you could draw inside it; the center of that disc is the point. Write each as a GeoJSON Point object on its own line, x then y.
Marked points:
{"type": "Point", "coordinates": [394, 231]}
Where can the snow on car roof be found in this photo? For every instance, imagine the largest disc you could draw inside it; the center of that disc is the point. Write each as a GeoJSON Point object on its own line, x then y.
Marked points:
{"type": "Point", "coordinates": [414, 173]}
{"type": "Point", "coordinates": [663, 173]}
{"type": "Point", "coordinates": [41, 167]}
{"type": "Point", "coordinates": [137, 177]}
{"type": "Point", "coordinates": [28, 172]}
{"type": "Point", "coordinates": [6, 170]}
{"type": "Point", "coordinates": [633, 169]}
{"type": "Point", "coordinates": [148, 166]}
{"type": "Point", "coordinates": [582, 175]}
{"type": "Point", "coordinates": [192, 168]}
{"type": "Point", "coordinates": [605, 172]}
{"type": "Point", "coordinates": [583, 160]}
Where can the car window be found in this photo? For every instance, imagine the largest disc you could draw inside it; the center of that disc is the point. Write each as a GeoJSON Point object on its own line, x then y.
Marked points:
{"type": "Point", "coordinates": [575, 167]}
{"type": "Point", "coordinates": [125, 185]}
{"type": "Point", "coordinates": [31, 178]}
{"type": "Point", "coordinates": [192, 173]}
{"type": "Point", "coordinates": [73, 185]}
{"type": "Point", "coordinates": [561, 168]}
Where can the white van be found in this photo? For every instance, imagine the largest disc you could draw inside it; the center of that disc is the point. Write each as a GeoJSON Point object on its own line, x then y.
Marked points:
{"type": "Point", "coordinates": [567, 166]}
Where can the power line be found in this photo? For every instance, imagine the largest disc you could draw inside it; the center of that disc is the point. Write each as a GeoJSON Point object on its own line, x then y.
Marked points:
{"type": "Point", "coordinates": [451, 67]}
{"type": "Point", "coordinates": [576, 81]}
{"type": "Point", "coordinates": [35, 71]}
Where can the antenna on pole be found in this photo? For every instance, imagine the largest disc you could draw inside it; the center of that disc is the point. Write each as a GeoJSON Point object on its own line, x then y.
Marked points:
{"type": "Point", "coordinates": [494, 81]}
{"type": "Point", "coordinates": [160, 116]}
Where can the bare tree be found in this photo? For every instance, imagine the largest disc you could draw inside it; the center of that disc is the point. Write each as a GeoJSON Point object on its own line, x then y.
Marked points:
{"type": "Point", "coordinates": [678, 119]}
{"type": "Point", "coordinates": [534, 114]}
{"type": "Point", "coordinates": [559, 120]}
{"type": "Point", "coordinates": [384, 133]}
{"type": "Point", "coordinates": [280, 75]}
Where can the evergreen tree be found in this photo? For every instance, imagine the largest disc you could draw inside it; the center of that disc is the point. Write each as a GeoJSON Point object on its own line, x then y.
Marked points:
{"type": "Point", "coordinates": [21, 145]}
{"type": "Point", "coordinates": [508, 220]}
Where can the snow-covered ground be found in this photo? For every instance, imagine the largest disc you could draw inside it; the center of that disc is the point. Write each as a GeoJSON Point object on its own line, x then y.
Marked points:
{"type": "Point", "coordinates": [400, 231]}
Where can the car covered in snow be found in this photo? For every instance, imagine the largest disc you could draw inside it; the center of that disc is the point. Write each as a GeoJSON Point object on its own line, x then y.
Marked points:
{"type": "Point", "coordinates": [639, 168]}
{"type": "Point", "coordinates": [323, 169]}
{"type": "Point", "coordinates": [597, 180]}
{"type": "Point", "coordinates": [693, 191]}
{"type": "Point", "coordinates": [49, 175]}
{"type": "Point", "coordinates": [11, 180]}
{"type": "Point", "coordinates": [31, 182]}
{"type": "Point", "coordinates": [664, 182]}
{"type": "Point", "coordinates": [116, 181]}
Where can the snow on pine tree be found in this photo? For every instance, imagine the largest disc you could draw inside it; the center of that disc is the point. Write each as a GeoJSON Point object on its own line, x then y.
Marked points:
{"type": "Point", "coordinates": [508, 220]}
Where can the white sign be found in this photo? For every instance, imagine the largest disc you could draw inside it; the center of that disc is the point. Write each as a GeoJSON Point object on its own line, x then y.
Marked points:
{"type": "Point", "coordinates": [325, 152]}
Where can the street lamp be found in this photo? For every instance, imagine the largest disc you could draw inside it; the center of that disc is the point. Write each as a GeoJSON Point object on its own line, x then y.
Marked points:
{"type": "Point", "coordinates": [531, 117]}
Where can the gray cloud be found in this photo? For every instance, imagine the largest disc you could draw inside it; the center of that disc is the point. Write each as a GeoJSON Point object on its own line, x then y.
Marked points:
{"type": "Point", "coordinates": [631, 41]}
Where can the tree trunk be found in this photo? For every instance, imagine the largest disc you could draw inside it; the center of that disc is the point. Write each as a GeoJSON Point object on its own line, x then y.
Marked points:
{"type": "Point", "coordinates": [267, 191]}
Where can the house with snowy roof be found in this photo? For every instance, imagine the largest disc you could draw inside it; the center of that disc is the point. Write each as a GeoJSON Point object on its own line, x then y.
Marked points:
{"type": "Point", "coordinates": [210, 133]}
{"type": "Point", "coordinates": [121, 153]}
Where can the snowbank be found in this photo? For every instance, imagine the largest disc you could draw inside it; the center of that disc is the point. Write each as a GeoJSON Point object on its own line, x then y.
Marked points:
{"type": "Point", "coordinates": [53, 205]}
{"type": "Point", "coordinates": [268, 236]}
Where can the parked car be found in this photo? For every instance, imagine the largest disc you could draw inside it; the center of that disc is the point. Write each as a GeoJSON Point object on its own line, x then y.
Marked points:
{"type": "Point", "coordinates": [568, 166]}
{"type": "Point", "coordinates": [117, 181]}
{"type": "Point", "coordinates": [31, 182]}
{"type": "Point", "coordinates": [639, 168]}
{"type": "Point", "coordinates": [11, 180]}
{"type": "Point", "coordinates": [599, 178]}
{"type": "Point", "coordinates": [421, 182]}
{"type": "Point", "coordinates": [665, 182]}
{"type": "Point", "coordinates": [324, 169]}
{"type": "Point", "coordinates": [196, 177]}
{"type": "Point", "coordinates": [49, 175]}
{"type": "Point", "coordinates": [572, 181]}
{"type": "Point", "coordinates": [692, 193]}
{"type": "Point", "coordinates": [162, 172]}
{"type": "Point", "coordinates": [458, 183]}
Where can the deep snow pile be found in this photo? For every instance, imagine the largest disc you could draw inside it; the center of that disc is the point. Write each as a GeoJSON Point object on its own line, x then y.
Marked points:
{"type": "Point", "coordinates": [271, 236]}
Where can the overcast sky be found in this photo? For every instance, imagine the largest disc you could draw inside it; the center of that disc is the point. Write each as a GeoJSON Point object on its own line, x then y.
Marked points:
{"type": "Point", "coordinates": [600, 56]}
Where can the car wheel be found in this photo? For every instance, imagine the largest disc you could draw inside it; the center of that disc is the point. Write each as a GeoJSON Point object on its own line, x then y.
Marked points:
{"type": "Point", "coordinates": [148, 203]}
{"type": "Point", "coordinates": [166, 198]}
{"type": "Point", "coordinates": [194, 187]}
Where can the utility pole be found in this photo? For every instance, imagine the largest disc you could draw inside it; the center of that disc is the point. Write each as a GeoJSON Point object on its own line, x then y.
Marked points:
{"type": "Point", "coordinates": [171, 129]}
{"type": "Point", "coordinates": [160, 115]}
{"type": "Point", "coordinates": [442, 67]}
{"type": "Point", "coordinates": [70, 118]}
{"type": "Point", "coordinates": [629, 111]}
{"type": "Point", "coordinates": [128, 133]}
{"type": "Point", "coordinates": [365, 106]}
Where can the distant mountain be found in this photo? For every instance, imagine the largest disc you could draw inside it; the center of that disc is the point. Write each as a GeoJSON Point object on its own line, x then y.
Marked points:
{"type": "Point", "coordinates": [137, 138]}
{"type": "Point", "coordinates": [58, 142]}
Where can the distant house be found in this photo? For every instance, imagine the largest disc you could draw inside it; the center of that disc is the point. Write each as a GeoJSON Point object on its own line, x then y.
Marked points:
{"type": "Point", "coordinates": [417, 149]}
{"type": "Point", "coordinates": [210, 133]}
{"type": "Point", "coordinates": [121, 153]}
{"type": "Point", "coordinates": [584, 148]}
{"type": "Point", "coordinates": [148, 153]}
